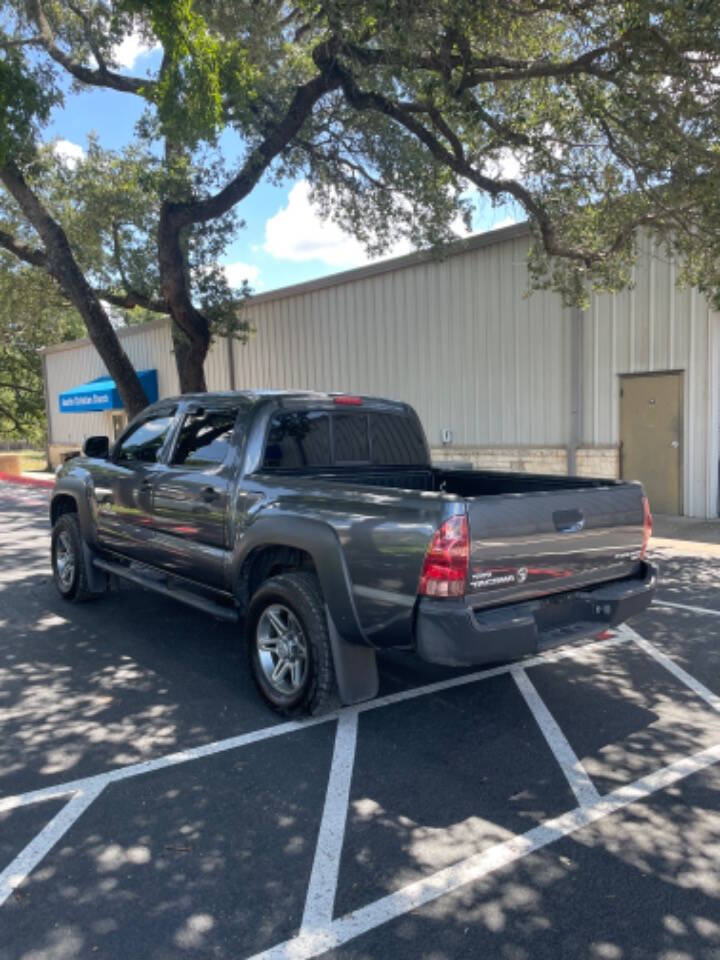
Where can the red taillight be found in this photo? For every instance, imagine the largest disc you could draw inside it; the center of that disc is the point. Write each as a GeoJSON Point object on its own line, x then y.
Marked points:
{"type": "Point", "coordinates": [444, 571]}
{"type": "Point", "coordinates": [345, 400]}
{"type": "Point", "coordinates": [647, 527]}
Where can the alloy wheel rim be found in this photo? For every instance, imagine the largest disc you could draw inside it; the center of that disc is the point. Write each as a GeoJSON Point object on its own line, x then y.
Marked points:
{"type": "Point", "coordinates": [65, 560]}
{"type": "Point", "coordinates": [282, 649]}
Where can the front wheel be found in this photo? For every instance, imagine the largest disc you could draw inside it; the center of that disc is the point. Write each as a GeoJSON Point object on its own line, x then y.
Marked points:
{"type": "Point", "coordinates": [68, 560]}
{"type": "Point", "coordinates": [289, 647]}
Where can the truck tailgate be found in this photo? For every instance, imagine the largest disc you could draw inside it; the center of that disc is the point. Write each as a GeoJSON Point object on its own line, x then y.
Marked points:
{"type": "Point", "coordinates": [526, 545]}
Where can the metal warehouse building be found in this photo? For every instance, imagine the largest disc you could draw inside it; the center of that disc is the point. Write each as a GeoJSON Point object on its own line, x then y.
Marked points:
{"type": "Point", "coordinates": [507, 381]}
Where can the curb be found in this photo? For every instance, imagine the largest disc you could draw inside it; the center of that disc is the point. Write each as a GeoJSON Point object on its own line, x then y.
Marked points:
{"type": "Point", "coordinates": [26, 481]}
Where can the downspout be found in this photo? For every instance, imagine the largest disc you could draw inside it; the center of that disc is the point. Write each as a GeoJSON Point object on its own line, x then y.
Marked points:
{"type": "Point", "coordinates": [231, 360]}
{"type": "Point", "coordinates": [576, 359]}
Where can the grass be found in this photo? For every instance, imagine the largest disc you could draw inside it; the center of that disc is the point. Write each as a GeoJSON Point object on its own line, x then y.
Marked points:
{"type": "Point", "coordinates": [32, 460]}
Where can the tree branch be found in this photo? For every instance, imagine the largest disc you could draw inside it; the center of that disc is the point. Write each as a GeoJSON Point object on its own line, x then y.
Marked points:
{"type": "Point", "coordinates": [31, 255]}
{"type": "Point", "coordinates": [60, 263]}
{"type": "Point", "coordinates": [132, 299]}
{"type": "Point", "coordinates": [370, 100]}
{"type": "Point", "coordinates": [259, 159]}
{"type": "Point", "coordinates": [102, 77]}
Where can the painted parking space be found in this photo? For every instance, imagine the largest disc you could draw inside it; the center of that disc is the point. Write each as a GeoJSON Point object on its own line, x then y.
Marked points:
{"type": "Point", "coordinates": [439, 779]}
{"type": "Point", "coordinates": [636, 717]}
{"type": "Point", "coordinates": [690, 582]}
{"type": "Point", "coordinates": [640, 884]}
{"type": "Point", "coordinates": [214, 853]}
{"type": "Point", "coordinates": [495, 811]}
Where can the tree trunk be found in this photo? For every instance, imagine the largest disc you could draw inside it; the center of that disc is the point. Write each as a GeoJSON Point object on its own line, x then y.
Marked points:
{"type": "Point", "coordinates": [61, 265]}
{"type": "Point", "coordinates": [189, 360]}
{"type": "Point", "coordinates": [190, 329]}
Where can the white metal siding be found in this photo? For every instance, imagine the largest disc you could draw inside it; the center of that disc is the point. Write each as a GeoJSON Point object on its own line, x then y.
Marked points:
{"type": "Point", "coordinates": [654, 327]}
{"type": "Point", "coordinates": [148, 347]}
{"type": "Point", "coordinates": [461, 341]}
{"type": "Point", "coordinates": [457, 338]}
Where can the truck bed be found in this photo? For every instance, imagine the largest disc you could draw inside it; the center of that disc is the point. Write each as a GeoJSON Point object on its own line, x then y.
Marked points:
{"type": "Point", "coordinates": [462, 483]}
{"type": "Point", "coordinates": [531, 535]}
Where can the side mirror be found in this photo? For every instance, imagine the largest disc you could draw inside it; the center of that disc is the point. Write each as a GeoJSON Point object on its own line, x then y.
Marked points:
{"type": "Point", "coordinates": [97, 447]}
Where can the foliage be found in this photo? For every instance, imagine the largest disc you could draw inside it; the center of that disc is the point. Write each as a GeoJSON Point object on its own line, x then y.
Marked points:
{"type": "Point", "coordinates": [595, 117]}
{"type": "Point", "coordinates": [33, 314]}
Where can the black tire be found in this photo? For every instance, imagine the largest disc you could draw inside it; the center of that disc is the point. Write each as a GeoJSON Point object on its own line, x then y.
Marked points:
{"type": "Point", "coordinates": [67, 541]}
{"type": "Point", "coordinates": [300, 594]}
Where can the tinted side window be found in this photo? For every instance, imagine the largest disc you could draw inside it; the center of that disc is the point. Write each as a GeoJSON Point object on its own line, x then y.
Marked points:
{"type": "Point", "coordinates": [298, 439]}
{"type": "Point", "coordinates": [396, 440]}
{"type": "Point", "coordinates": [204, 439]}
{"type": "Point", "coordinates": [144, 443]}
{"type": "Point", "coordinates": [352, 442]}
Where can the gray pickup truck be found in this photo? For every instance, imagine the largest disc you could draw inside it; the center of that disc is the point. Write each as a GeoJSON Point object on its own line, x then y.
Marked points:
{"type": "Point", "coordinates": [319, 521]}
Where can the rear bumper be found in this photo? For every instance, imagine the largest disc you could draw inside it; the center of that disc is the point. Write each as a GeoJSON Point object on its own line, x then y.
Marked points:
{"type": "Point", "coordinates": [451, 633]}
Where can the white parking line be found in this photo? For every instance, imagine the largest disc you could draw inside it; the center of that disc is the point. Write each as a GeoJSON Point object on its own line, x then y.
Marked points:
{"type": "Point", "coordinates": [320, 899]}
{"type": "Point", "coordinates": [291, 726]}
{"type": "Point", "coordinates": [28, 858]}
{"type": "Point", "coordinates": [580, 783]}
{"type": "Point", "coordinates": [319, 932]}
{"type": "Point", "coordinates": [685, 606]}
{"type": "Point", "coordinates": [677, 671]}
{"type": "Point", "coordinates": [424, 891]}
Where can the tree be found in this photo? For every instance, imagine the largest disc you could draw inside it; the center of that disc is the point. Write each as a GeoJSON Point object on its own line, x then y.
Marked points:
{"type": "Point", "coordinates": [398, 112]}
{"type": "Point", "coordinates": [609, 110]}
{"type": "Point", "coordinates": [26, 96]}
{"type": "Point", "coordinates": [32, 315]}
{"type": "Point", "coordinates": [223, 66]}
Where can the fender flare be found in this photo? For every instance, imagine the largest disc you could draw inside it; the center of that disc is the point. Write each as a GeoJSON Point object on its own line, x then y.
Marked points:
{"type": "Point", "coordinates": [76, 487]}
{"type": "Point", "coordinates": [353, 656]}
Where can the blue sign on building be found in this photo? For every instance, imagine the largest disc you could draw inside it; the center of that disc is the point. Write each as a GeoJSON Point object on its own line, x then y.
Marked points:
{"type": "Point", "coordinates": [103, 394]}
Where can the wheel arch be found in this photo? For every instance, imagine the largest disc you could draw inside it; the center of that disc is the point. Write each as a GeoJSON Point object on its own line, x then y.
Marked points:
{"type": "Point", "coordinates": [353, 654]}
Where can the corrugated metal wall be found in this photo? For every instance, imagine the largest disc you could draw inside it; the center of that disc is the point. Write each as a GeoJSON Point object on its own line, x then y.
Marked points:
{"type": "Point", "coordinates": [455, 338]}
{"type": "Point", "coordinates": [652, 327]}
{"type": "Point", "coordinates": [459, 339]}
{"type": "Point", "coordinates": [148, 346]}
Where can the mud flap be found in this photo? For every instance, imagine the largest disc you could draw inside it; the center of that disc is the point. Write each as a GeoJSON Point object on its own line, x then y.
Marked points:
{"type": "Point", "coordinates": [355, 667]}
{"type": "Point", "coordinates": [97, 580]}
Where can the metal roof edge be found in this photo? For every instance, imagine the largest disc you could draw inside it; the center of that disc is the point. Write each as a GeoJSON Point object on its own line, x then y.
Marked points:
{"type": "Point", "coordinates": [456, 248]}
{"type": "Point", "coordinates": [122, 333]}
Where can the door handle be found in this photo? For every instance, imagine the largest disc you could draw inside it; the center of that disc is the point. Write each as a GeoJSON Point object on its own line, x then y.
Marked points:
{"type": "Point", "coordinates": [145, 483]}
{"type": "Point", "coordinates": [209, 494]}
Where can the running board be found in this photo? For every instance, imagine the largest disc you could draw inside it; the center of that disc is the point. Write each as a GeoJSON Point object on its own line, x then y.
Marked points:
{"type": "Point", "coordinates": [177, 593]}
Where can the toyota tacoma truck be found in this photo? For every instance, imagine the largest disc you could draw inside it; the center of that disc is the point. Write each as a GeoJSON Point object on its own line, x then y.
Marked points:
{"type": "Point", "coordinates": [319, 523]}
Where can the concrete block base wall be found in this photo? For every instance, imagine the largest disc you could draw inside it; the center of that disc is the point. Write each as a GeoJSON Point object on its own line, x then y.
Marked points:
{"type": "Point", "coordinates": [598, 462]}
{"type": "Point", "coordinates": [590, 461]}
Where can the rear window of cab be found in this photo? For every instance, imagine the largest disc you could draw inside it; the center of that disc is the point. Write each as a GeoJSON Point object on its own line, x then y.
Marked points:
{"type": "Point", "coordinates": [308, 438]}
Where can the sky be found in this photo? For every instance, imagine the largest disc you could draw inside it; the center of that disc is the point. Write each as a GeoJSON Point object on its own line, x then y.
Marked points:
{"type": "Point", "coordinates": [284, 240]}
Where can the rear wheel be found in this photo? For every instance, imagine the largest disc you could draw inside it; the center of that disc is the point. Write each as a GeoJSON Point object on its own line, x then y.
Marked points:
{"type": "Point", "coordinates": [68, 560]}
{"type": "Point", "coordinates": [289, 647]}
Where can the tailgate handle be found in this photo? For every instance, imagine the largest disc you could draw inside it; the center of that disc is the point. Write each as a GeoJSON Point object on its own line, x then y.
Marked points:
{"type": "Point", "coordinates": [569, 521]}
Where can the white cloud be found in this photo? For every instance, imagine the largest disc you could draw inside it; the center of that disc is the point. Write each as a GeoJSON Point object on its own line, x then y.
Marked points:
{"type": "Point", "coordinates": [505, 166]}
{"type": "Point", "coordinates": [297, 232]}
{"type": "Point", "coordinates": [132, 47]}
{"type": "Point", "coordinates": [239, 271]}
{"type": "Point", "coordinates": [68, 152]}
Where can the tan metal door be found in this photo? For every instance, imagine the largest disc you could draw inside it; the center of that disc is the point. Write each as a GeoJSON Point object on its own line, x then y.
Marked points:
{"type": "Point", "coordinates": [651, 419]}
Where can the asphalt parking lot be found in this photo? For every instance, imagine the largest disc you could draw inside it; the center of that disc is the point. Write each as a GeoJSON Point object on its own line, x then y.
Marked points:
{"type": "Point", "coordinates": [152, 807]}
